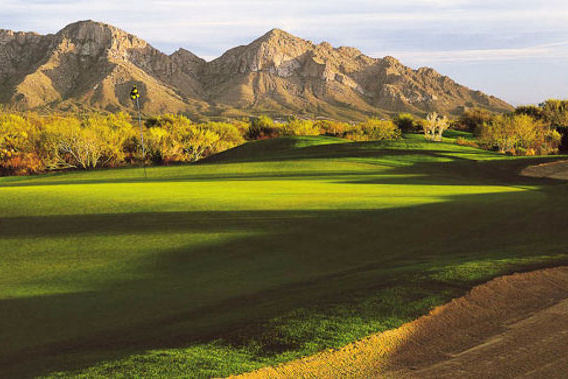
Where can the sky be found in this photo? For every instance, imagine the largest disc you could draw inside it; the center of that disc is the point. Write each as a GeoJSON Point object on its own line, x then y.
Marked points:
{"type": "Point", "coordinates": [514, 49]}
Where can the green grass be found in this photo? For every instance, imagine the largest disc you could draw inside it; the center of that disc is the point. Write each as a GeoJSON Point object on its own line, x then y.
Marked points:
{"type": "Point", "coordinates": [268, 252]}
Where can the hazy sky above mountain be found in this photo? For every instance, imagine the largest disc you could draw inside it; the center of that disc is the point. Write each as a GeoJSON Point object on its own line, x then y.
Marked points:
{"type": "Point", "coordinates": [514, 49]}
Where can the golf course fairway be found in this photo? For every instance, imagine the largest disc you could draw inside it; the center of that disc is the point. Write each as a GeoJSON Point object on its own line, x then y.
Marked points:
{"type": "Point", "coordinates": [271, 251]}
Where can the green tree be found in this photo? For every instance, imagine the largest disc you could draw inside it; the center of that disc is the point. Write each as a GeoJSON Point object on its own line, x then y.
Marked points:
{"type": "Point", "coordinates": [556, 112]}
{"type": "Point", "coordinates": [262, 127]}
{"type": "Point", "coordinates": [297, 127]}
{"type": "Point", "coordinates": [406, 123]}
{"type": "Point", "coordinates": [374, 129]}
{"type": "Point", "coordinates": [473, 119]}
{"type": "Point", "coordinates": [519, 134]}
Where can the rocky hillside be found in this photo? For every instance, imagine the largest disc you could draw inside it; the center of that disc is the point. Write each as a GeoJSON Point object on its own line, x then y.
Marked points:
{"type": "Point", "coordinates": [93, 65]}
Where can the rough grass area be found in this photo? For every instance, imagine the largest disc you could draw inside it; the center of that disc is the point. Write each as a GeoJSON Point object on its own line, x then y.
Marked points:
{"type": "Point", "coordinates": [270, 251]}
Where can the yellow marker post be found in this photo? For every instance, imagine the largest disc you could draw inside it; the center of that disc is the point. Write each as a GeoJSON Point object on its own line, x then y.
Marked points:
{"type": "Point", "coordinates": [134, 95]}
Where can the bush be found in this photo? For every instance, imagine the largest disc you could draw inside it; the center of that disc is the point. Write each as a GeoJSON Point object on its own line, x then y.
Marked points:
{"type": "Point", "coordinates": [374, 130]}
{"type": "Point", "coordinates": [229, 134]}
{"type": "Point", "coordinates": [296, 127]}
{"type": "Point", "coordinates": [519, 134]}
{"type": "Point", "coordinates": [332, 128]}
{"type": "Point", "coordinates": [178, 139]}
{"type": "Point", "coordinates": [406, 123]}
{"type": "Point", "coordinates": [17, 145]}
{"type": "Point", "coordinates": [555, 112]}
{"type": "Point", "coordinates": [473, 119]}
{"type": "Point", "coordinates": [96, 141]}
{"type": "Point", "coordinates": [530, 110]}
{"type": "Point", "coordinates": [261, 128]}
{"type": "Point", "coordinates": [466, 142]}
{"type": "Point", "coordinates": [33, 144]}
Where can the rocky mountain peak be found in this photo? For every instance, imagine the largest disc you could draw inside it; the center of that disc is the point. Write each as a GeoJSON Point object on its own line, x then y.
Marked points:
{"type": "Point", "coordinates": [428, 71]}
{"type": "Point", "coordinates": [7, 36]}
{"type": "Point", "coordinates": [391, 61]}
{"type": "Point", "coordinates": [325, 46]}
{"type": "Point", "coordinates": [276, 35]}
{"type": "Point", "coordinates": [91, 38]}
{"type": "Point", "coordinates": [349, 51]}
{"type": "Point", "coordinates": [94, 64]}
{"type": "Point", "coordinates": [184, 56]}
{"type": "Point", "coordinates": [275, 52]}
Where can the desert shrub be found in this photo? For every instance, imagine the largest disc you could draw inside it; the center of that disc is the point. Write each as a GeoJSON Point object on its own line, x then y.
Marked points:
{"type": "Point", "coordinates": [161, 147]}
{"type": "Point", "coordinates": [115, 132]}
{"type": "Point", "coordinates": [261, 128]}
{"type": "Point", "coordinates": [197, 142]}
{"type": "Point", "coordinates": [229, 134]}
{"type": "Point", "coordinates": [96, 141]}
{"type": "Point", "coordinates": [555, 112]}
{"type": "Point", "coordinates": [473, 119]}
{"type": "Point", "coordinates": [466, 142]}
{"type": "Point", "coordinates": [531, 110]}
{"type": "Point", "coordinates": [242, 125]}
{"type": "Point", "coordinates": [374, 130]}
{"type": "Point", "coordinates": [32, 144]}
{"type": "Point", "coordinates": [176, 138]}
{"type": "Point", "coordinates": [332, 128]}
{"type": "Point", "coordinates": [23, 164]}
{"type": "Point", "coordinates": [519, 134]}
{"type": "Point", "coordinates": [18, 144]}
{"type": "Point", "coordinates": [406, 123]}
{"type": "Point", "coordinates": [297, 127]}
{"type": "Point", "coordinates": [435, 126]}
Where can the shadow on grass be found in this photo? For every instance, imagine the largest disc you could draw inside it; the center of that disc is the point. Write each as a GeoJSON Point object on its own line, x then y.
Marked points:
{"type": "Point", "coordinates": [288, 260]}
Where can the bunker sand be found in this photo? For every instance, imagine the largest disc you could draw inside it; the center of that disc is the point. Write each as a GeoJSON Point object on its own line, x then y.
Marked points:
{"type": "Point", "coordinates": [553, 170]}
{"type": "Point", "coordinates": [512, 326]}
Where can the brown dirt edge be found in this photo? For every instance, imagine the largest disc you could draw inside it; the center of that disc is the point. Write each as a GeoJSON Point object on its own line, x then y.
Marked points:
{"type": "Point", "coordinates": [553, 170]}
{"type": "Point", "coordinates": [515, 325]}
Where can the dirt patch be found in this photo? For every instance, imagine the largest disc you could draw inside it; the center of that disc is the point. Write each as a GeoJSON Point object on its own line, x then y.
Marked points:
{"type": "Point", "coordinates": [511, 326]}
{"type": "Point", "coordinates": [554, 170]}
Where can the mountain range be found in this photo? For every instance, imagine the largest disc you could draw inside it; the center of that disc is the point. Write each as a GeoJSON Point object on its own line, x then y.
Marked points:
{"type": "Point", "coordinates": [90, 65]}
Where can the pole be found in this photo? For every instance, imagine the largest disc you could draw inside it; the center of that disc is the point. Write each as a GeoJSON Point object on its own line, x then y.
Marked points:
{"type": "Point", "coordinates": [141, 138]}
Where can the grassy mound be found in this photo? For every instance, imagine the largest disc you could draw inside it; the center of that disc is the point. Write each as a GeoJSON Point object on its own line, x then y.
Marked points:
{"type": "Point", "coordinates": [268, 252]}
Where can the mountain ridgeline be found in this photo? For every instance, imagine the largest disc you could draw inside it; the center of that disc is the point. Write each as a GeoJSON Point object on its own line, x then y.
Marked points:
{"type": "Point", "coordinates": [90, 65]}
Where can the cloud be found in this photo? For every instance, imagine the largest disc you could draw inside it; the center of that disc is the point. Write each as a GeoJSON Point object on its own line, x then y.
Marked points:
{"type": "Point", "coordinates": [550, 51]}
{"type": "Point", "coordinates": [419, 32]}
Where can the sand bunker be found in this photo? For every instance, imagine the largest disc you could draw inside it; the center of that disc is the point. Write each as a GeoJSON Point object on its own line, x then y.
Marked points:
{"type": "Point", "coordinates": [512, 326]}
{"type": "Point", "coordinates": [554, 170]}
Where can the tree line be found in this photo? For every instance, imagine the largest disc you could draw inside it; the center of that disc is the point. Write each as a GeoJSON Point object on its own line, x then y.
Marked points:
{"type": "Point", "coordinates": [528, 130]}
{"type": "Point", "coordinates": [31, 143]}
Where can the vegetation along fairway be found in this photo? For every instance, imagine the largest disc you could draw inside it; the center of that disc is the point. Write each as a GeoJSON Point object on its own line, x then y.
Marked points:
{"type": "Point", "coordinates": [267, 252]}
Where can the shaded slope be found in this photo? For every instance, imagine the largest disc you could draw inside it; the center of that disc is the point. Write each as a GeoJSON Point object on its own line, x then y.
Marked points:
{"type": "Point", "coordinates": [271, 149]}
